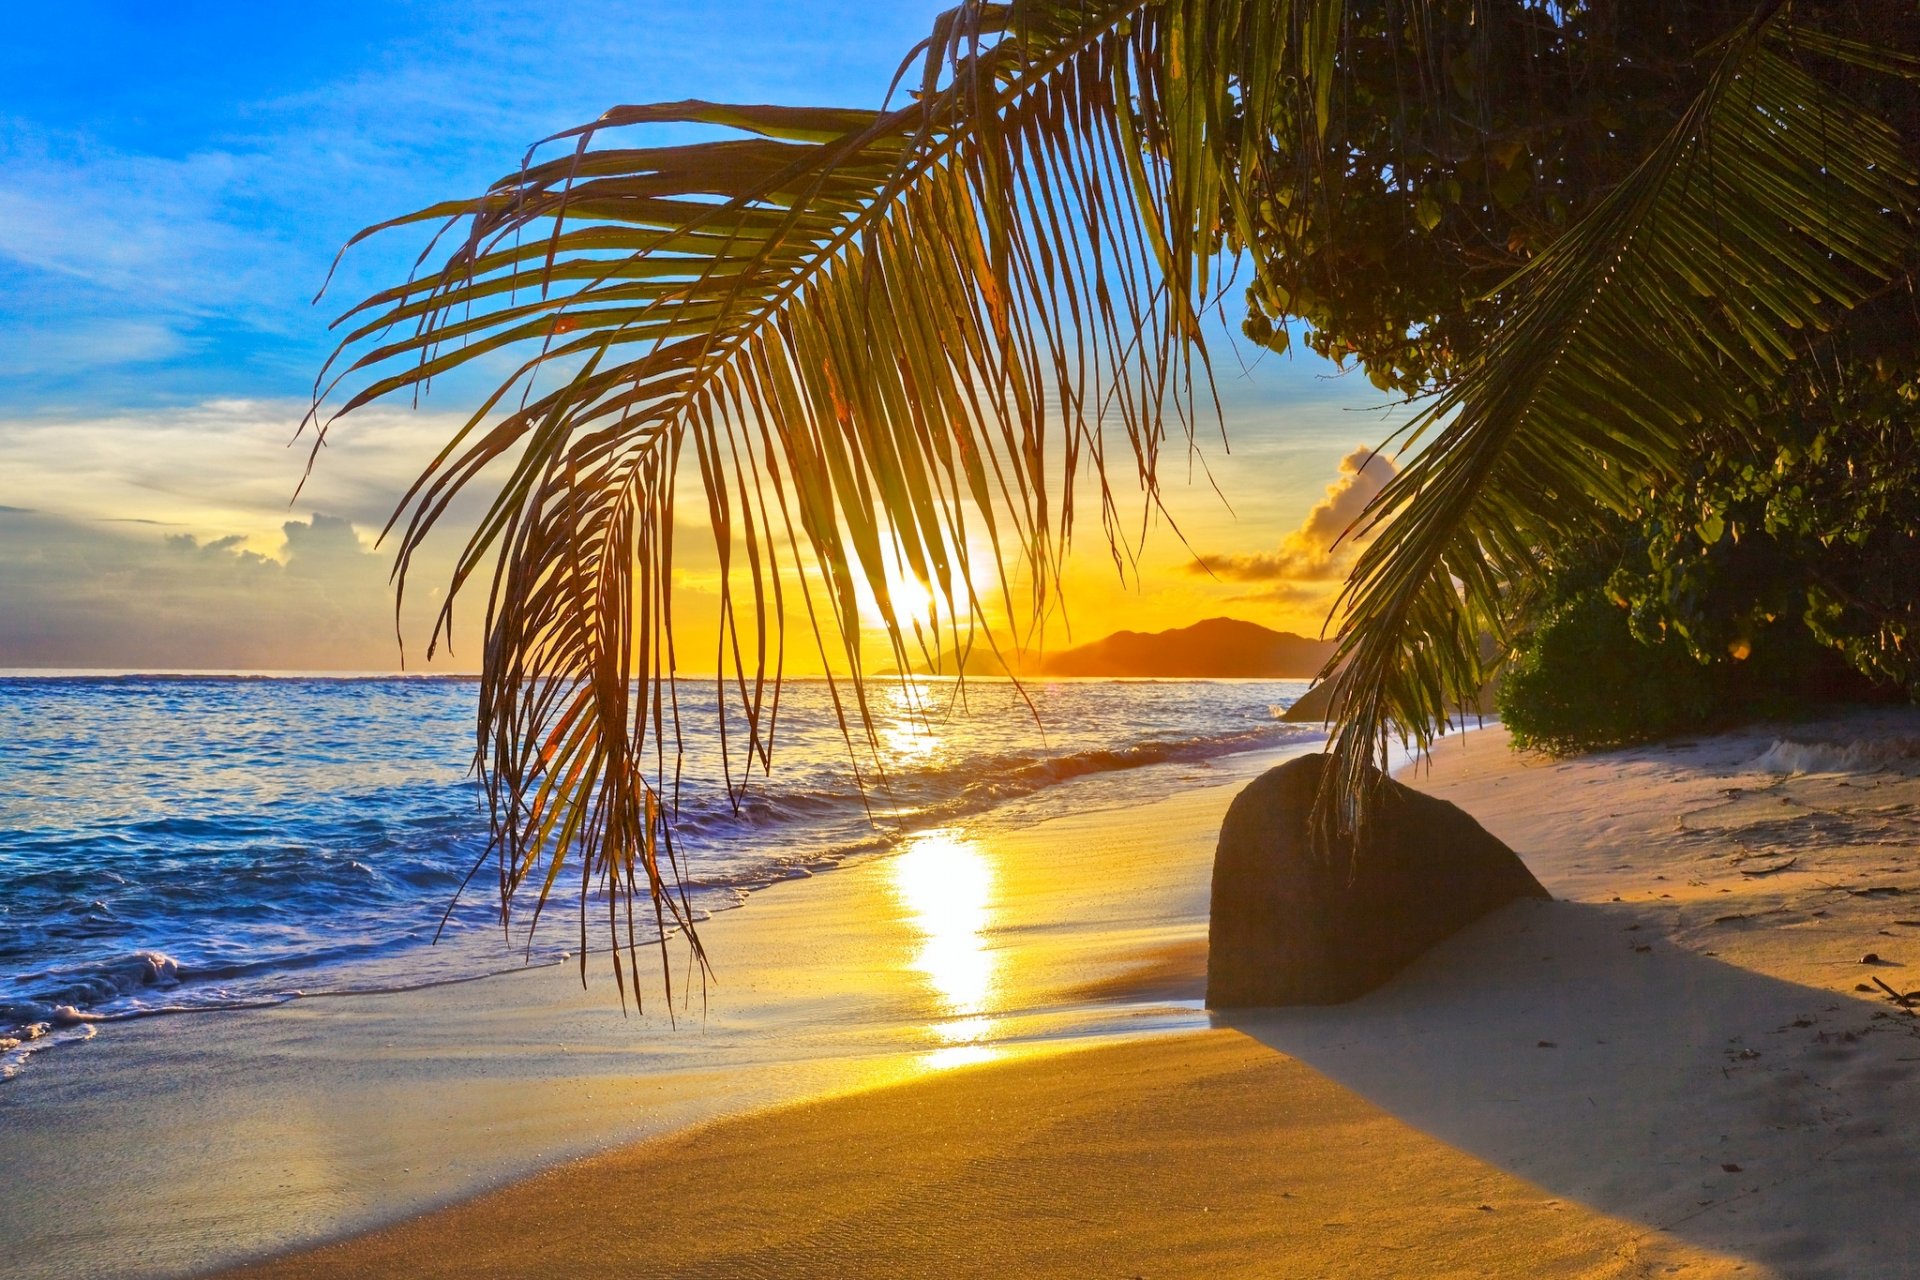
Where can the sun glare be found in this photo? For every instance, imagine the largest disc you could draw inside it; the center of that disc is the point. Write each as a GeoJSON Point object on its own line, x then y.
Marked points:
{"type": "Point", "coordinates": [908, 734]}
{"type": "Point", "coordinates": [913, 600]}
{"type": "Point", "coordinates": [946, 884]}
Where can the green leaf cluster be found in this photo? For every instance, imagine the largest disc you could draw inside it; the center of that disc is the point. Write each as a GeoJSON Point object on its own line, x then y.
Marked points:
{"type": "Point", "coordinates": [1818, 526]}
{"type": "Point", "coordinates": [1583, 681]}
{"type": "Point", "coordinates": [1465, 137]}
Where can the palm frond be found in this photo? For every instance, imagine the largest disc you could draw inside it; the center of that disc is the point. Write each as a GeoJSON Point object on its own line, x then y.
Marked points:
{"type": "Point", "coordinates": [873, 335]}
{"type": "Point", "coordinates": [1648, 329]}
{"type": "Point", "coordinates": [869, 334]}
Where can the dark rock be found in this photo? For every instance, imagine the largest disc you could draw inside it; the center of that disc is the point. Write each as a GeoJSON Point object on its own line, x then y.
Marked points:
{"type": "Point", "coordinates": [1315, 706]}
{"type": "Point", "coordinates": [1296, 924]}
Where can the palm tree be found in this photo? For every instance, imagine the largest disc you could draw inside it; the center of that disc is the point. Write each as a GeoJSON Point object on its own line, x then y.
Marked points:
{"type": "Point", "coordinates": [873, 335]}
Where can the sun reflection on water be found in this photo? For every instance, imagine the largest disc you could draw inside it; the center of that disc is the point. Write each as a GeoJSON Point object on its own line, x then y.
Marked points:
{"type": "Point", "coordinates": [907, 732]}
{"type": "Point", "coordinates": [946, 884]}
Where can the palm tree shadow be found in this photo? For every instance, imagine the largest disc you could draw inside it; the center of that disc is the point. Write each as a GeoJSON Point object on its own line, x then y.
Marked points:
{"type": "Point", "coordinates": [1758, 1118]}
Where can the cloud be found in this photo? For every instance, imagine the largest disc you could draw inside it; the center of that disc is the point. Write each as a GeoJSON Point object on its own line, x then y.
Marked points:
{"type": "Point", "coordinates": [163, 538]}
{"type": "Point", "coordinates": [1284, 593]}
{"type": "Point", "coordinates": [147, 226]}
{"type": "Point", "coordinates": [174, 178]}
{"type": "Point", "coordinates": [1310, 553]}
{"type": "Point", "coordinates": [219, 467]}
{"type": "Point", "coordinates": [82, 595]}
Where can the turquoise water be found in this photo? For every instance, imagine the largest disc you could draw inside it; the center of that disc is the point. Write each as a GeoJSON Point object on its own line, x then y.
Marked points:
{"type": "Point", "coordinates": [175, 844]}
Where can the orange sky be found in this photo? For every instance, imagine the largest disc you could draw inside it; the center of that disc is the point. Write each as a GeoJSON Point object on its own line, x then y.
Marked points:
{"type": "Point", "coordinates": [165, 538]}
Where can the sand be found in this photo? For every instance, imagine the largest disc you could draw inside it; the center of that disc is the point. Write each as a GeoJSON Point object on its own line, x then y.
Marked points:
{"type": "Point", "coordinates": [1668, 1071]}
{"type": "Point", "coordinates": [1202, 1155]}
{"type": "Point", "coordinates": [1680, 1040]}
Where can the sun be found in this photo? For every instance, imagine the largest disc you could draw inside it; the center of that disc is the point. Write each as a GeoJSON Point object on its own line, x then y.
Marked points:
{"type": "Point", "coordinates": [925, 614]}
{"type": "Point", "coordinates": [913, 600]}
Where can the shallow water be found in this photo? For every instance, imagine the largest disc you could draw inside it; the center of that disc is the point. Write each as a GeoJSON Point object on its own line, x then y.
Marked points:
{"type": "Point", "coordinates": [203, 843]}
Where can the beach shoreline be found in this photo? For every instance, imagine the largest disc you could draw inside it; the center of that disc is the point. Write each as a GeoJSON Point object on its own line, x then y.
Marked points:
{"type": "Point", "coordinates": [1667, 1070]}
{"type": "Point", "coordinates": [214, 1138]}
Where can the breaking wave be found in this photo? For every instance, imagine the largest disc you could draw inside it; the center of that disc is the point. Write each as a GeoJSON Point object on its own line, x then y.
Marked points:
{"type": "Point", "coordinates": [1864, 755]}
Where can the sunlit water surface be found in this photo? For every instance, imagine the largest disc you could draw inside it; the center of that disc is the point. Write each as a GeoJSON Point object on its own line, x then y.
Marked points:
{"type": "Point", "coordinates": [173, 844]}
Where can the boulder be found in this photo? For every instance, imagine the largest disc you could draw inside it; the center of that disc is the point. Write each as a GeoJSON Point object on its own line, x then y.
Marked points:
{"type": "Point", "coordinates": [1293, 923]}
{"type": "Point", "coordinates": [1315, 706]}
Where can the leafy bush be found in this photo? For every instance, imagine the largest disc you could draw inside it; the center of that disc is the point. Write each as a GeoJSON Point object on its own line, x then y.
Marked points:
{"type": "Point", "coordinates": [1774, 577]}
{"type": "Point", "coordinates": [1820, 527]}
{"type": "Point", "coordinates": [1593, 673]}
{"type": "Point", "coordinates": [1583, 682]}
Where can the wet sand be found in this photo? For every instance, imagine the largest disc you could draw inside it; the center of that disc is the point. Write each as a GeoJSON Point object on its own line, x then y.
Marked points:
{"type": "Point", "coordinates": [1201, 1155]}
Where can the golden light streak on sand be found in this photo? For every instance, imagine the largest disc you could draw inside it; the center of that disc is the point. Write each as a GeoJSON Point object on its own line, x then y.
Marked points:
{"type": "Point", "coordinates": [946, 883]}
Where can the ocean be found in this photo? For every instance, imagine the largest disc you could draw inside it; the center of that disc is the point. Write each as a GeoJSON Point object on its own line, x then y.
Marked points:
{"type": "Point", "coordinates": [192, 844]}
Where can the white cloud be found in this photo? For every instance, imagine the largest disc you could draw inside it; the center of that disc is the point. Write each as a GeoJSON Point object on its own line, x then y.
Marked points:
{"type": "Point", "coordinates": [1323, 547]}
{"type": "Point", "coordinates": [70, 346]}
{"type": "Point", "coordinates": [217, 468]}
{"type": "Point", "coordinates": [147, 226]}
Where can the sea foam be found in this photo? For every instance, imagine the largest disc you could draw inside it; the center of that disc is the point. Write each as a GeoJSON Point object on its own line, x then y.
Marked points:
{"type": "Point", "coordinates": [1861, 755]}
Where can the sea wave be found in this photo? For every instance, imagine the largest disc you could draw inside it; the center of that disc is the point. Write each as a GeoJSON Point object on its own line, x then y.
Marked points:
{"type": "Point", "coordinates": [177, 846]}
{"type": "Point", "coordinates": [1864, 755]}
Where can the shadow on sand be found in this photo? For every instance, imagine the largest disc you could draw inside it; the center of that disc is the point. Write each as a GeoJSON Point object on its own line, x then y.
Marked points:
{"type": "Point", "coordinates": [1758, 1118]}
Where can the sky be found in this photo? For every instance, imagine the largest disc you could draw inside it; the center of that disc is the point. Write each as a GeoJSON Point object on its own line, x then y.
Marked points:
{"type": "Point", "coordinates": [175, 181]}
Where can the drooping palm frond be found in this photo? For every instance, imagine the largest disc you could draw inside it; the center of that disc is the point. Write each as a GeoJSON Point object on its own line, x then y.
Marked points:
{"type": "Point", "coordinates": [869, 335]}
{"type": "Point", "coordinates": [1651, 328]}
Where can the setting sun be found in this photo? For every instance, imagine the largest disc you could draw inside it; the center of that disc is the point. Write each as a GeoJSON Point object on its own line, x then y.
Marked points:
{"type": "Point", "coordinates": [913, 601]}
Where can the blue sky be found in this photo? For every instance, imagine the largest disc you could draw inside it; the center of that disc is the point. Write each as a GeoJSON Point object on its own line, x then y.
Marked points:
{"type": "Point", "coordinates": [178, 176]}
{"type": "Point", "coordinates": [175, 180]}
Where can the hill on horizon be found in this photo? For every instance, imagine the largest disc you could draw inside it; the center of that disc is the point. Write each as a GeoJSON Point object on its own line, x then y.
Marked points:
{"type": "Point", "coordinates": [1217, 648]}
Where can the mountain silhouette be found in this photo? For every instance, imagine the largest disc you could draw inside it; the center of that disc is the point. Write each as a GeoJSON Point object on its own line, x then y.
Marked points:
{"type": "Point", "coordinates": [1215, 648]}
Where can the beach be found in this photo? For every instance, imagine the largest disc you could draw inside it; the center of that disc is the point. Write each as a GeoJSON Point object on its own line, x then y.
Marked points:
{"type": "Point", "coordinates": [992, 1061]}
{"type": "Point", "coordinates": [1181, 1156]}
{"type": "Point", "coordinates": [661, 640]}
{"type": "Point", "coordinates": [169, 1145]}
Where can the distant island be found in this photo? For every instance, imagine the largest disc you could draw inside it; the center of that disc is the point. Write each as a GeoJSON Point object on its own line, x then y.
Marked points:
{"type": "Point", "coordinates": [1216, 648]}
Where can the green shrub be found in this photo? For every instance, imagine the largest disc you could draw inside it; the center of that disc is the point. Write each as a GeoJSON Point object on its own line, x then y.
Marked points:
{"type": "Point", "coordinates": [1582, 682]}
{"type": "Point", "coordinates": [1590, 675]}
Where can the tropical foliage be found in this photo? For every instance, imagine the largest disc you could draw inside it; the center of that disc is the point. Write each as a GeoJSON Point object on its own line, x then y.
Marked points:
{"type": "Point", "coordinates": [877, 340]}
{"type": "Point", "coordinates": [1818, 528]}
{"type": "Point", "coordinates": [1582, 681]}
{"type": "Point", "coordinates": [1605, 657]}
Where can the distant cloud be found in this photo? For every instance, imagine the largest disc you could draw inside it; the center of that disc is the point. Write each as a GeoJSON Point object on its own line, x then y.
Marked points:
{"type": "Point", "coordinates": [174, 178]}
{"type": "Point", "coordinates": [1309, 553]}
{"type": "Point", "coordinates": [163, 538]}
{"type": "Point", "coordinates": [79, 595]}
{"type": "Point", "coordinates": [1284, 593]}
{"type": "Point", "coordinates": [216, 468]}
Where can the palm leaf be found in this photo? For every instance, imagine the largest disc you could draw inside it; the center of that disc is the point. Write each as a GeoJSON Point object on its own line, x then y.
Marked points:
{"type": "Point", "coordinates": [873, 335]}
{"type": "Point", "coordinates": [870, 335]}
{"type": "Point", "coordinates": [1651, 327]}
